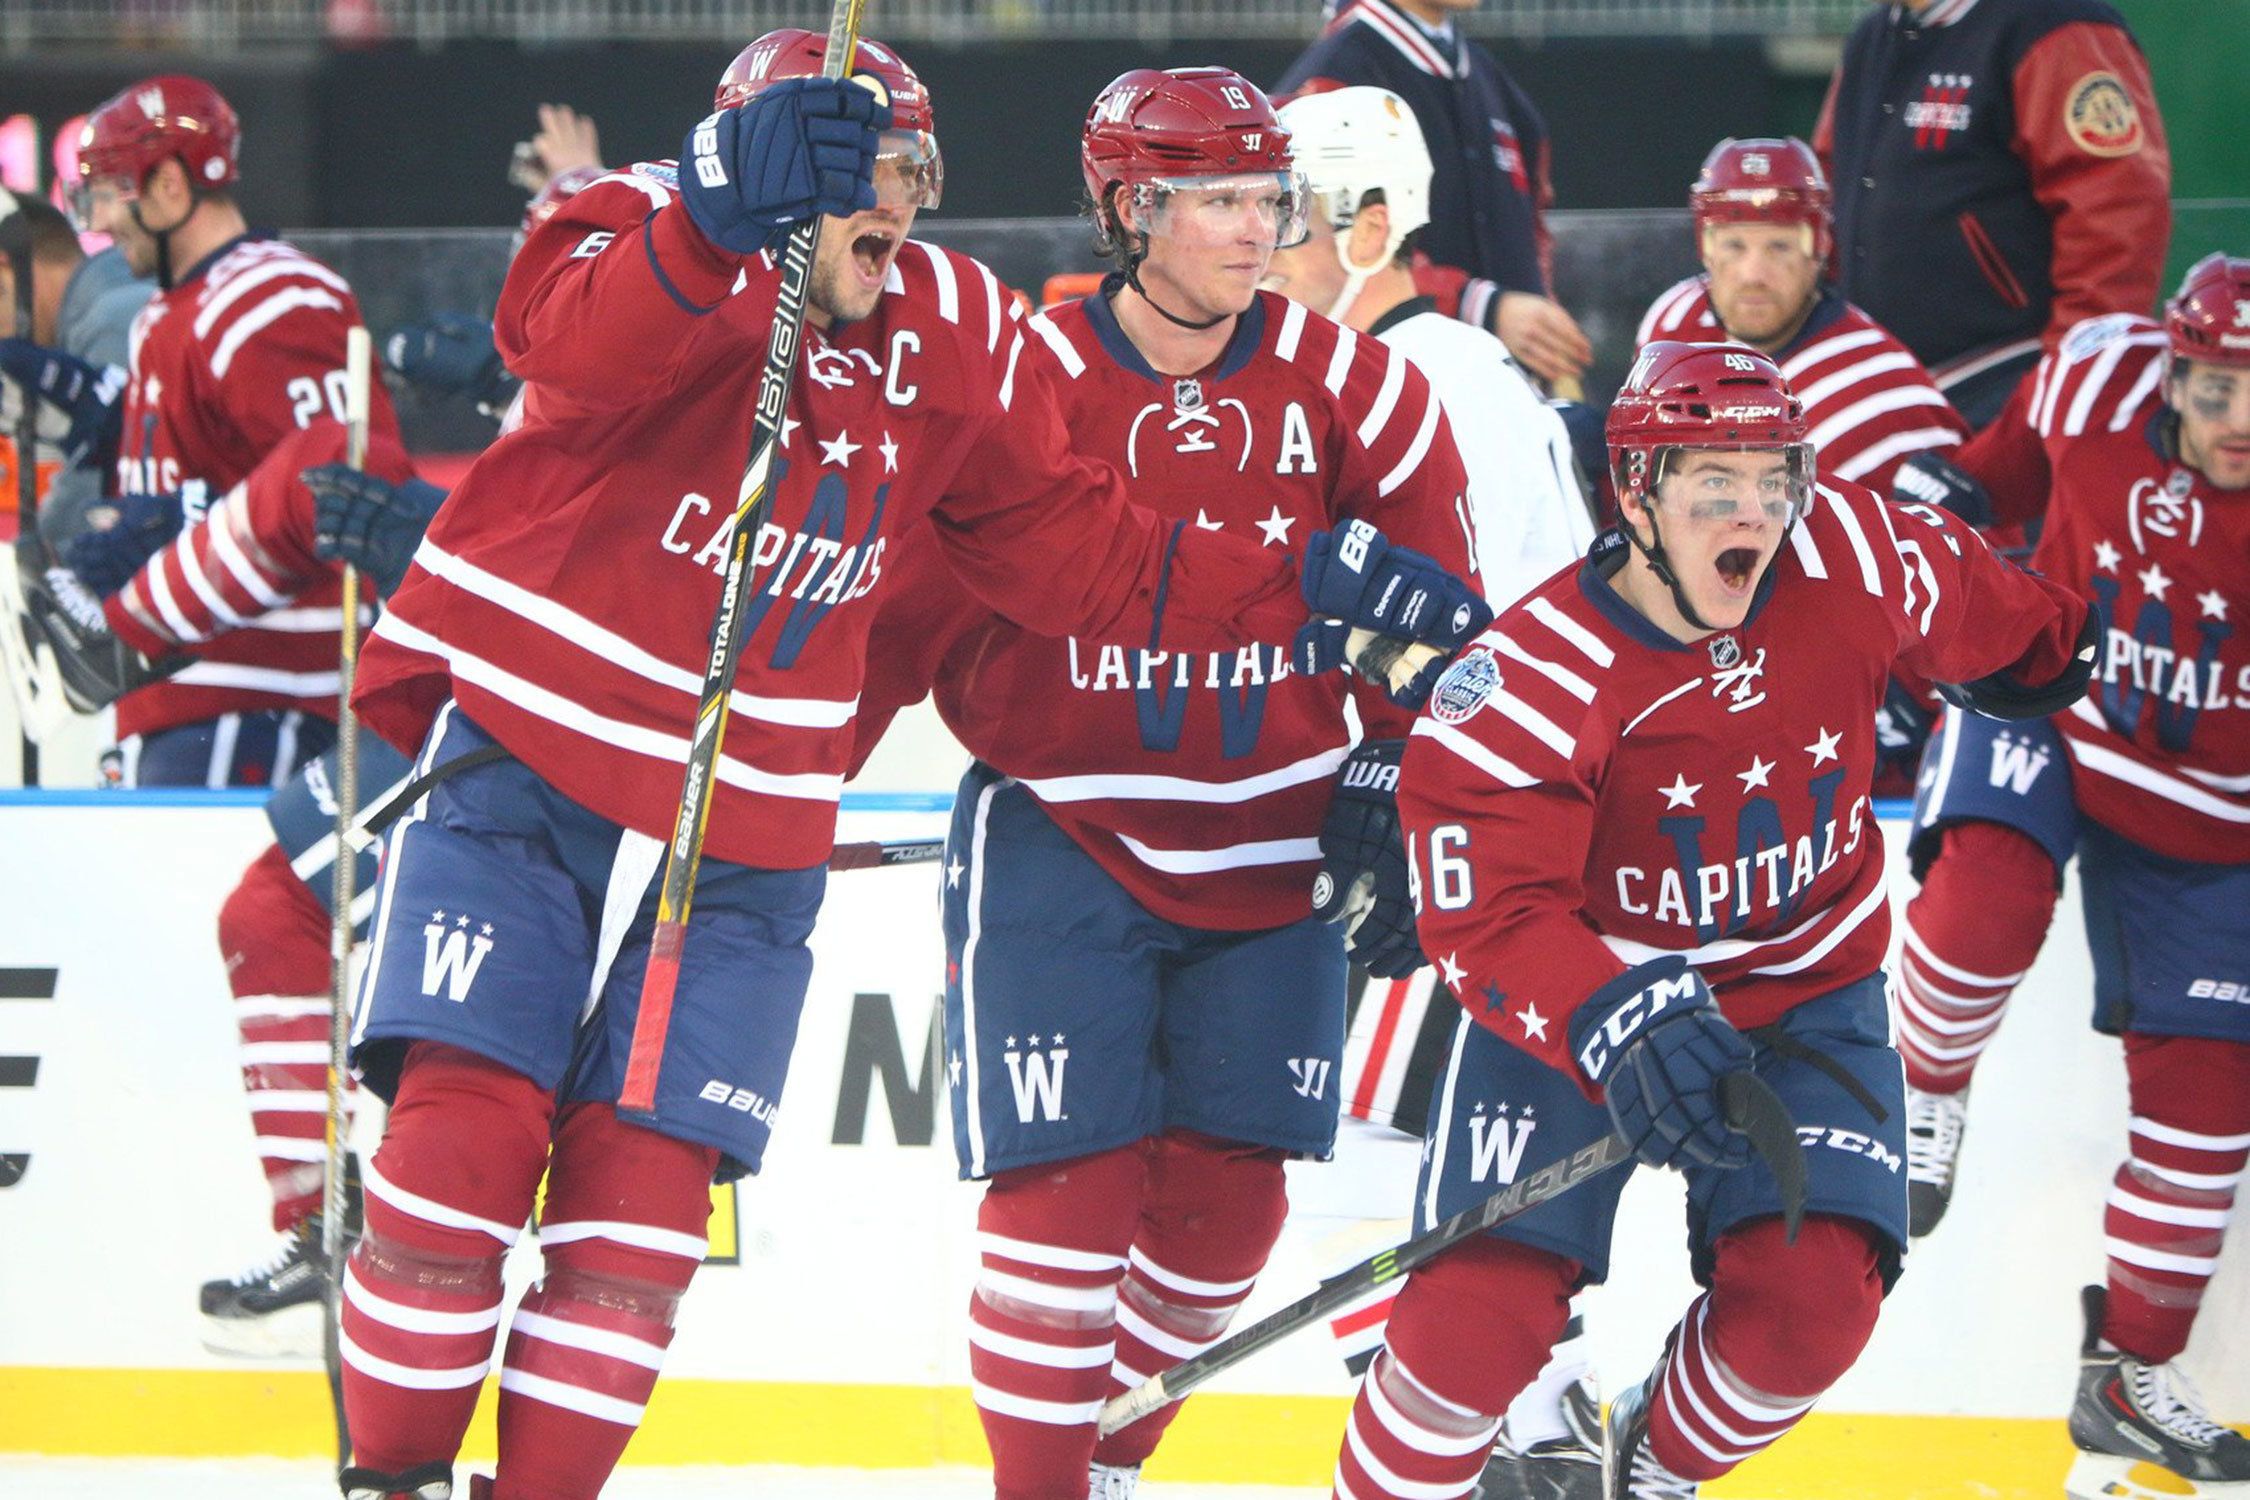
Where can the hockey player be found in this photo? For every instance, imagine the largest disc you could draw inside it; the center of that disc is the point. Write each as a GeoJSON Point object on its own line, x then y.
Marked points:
{"type": "Point", "coordinates": [1368, 170]}
{"type": "Point", "coordinates": [1717, 659]}
{"type": "Point", "coordinates": [560, 609]}
{"type": "Point", "coordinates": [1490, 254]}
{"type": "Point", "coordinates": [1763, 228]}
{"type": "Point", "coordinates": [242, 346]}
{"type": "Point", "coordinates": [2148, 447]}
{"type": "Point", "coordinates": [1146, 1012]}
{"type": "Point", "coordinates": [1988, 843]}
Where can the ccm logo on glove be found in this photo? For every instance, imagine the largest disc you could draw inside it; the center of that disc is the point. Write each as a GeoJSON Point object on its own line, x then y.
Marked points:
{"type": "Point", "coordinates": [1635, 1011]}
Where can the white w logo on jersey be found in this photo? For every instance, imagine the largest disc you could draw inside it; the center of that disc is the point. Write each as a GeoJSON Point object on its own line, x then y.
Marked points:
{"type": "Point", "coordinates": [2016, 764]}
{"type": "Point", "coordinates": [1038, 1082]}
{"type": "Point", "coordinates": [451, 957]}
{"type": "Point", "coordinates": [1496, 1147]}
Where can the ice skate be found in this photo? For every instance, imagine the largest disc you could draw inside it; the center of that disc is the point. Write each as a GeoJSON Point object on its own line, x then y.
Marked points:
{"type": "Point", "coordinates": [431, 1481]}
{"type": "Point", "coordinates": [2143, 1429]}
{"type": "Point", "coordinates": [1630, 1468]}
{"type": "Point", "coordinates": [273, 1310]}
{"type": "Point", "coordinates": [1934, 1125]}
{"type": "Point", "coordinates": [1565, 1467]}
{"type": "Point", "coordinates": [1113, 1482]}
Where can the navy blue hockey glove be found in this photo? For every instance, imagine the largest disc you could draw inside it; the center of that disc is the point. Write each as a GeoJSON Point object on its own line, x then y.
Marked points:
{"type": "Point", "coordinates": [1902, 724]}
{"type": "Point", "coordinates": [369, 522]}
{"type": "Point", "coordinates": [1654, 1040]}
{"type": "Point", "coordinates": [106, 557]}
{"type": "Point", "coordinates": [91, 396]}
{"type": "Point", "coordinates": [801, 147]}
{"type": "Point", "coordinates": [1356, 576]}
{"type": "Point", "coordinates": [1362, 881]}
{"type": "Point", "coordinates": [451, 355]}
{"type": "Point", "coordinates": [1932, 479]}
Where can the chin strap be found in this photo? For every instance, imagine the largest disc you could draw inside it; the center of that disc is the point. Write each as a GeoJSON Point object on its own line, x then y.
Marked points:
{"type": "Point", "coordinates": [163, 238]}
{"type": "Point", "coordinates": [1356, 277]}
{"type": "Point", "coordinates": [1653, 550]}
{"type": "Point", "coordinates": [1136, 251]}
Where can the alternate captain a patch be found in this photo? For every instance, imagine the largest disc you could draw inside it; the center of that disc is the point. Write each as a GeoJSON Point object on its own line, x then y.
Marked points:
{"type": "Point", "coordinates": [1465, 687]}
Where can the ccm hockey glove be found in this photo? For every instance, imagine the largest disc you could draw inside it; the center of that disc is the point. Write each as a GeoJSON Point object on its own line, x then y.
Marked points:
{"type": "Point", "coordinates": [106, 558]}
{"type": "Point", "coordinates": [1654, 1040]}
{"type": "Point", "coordinates": [801, 147]}
{"type": "Point", "coordinates": [368, 521]}
{"type": "Point", "coordinates": [1363, 879]}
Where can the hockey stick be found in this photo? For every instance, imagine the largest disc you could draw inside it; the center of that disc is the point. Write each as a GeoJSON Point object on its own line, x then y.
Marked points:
{"type": "Point", "coordinates": [357, 378]}
{"type": "Point", "coordinates": [881, 856]}
{"type": "Point", "coordinates": [645, 1061]}
{"type": "Point", "coordinates": [15, 228]}
{"type": "Point", "coordinates": [1750, 1106]}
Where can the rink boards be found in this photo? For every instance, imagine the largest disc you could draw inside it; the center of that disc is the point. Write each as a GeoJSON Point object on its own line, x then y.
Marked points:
{"type": "Point", "coordinates": [829, 1329]}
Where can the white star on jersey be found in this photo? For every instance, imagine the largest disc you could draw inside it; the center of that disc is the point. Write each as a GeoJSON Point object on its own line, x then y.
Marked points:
{"type": "Point", "coordinates": [1203, 521]}
{"type": "Point", "coordinates": [1450, 968]}
{"type": "Point", "coordinates": [889, 449]}
{"type": "Point", "coordinates": [840, 451]}
{"type": "Point", "coordinates": [789, 425]}
{"type": "Point", "coordinates": [1756, 776]}
{"type": "Point", "coordinates": [2106, 555]}
{"type": "Point", "coordinates": [1679, 793]}
{"type": "Point", "coordinates": [953, 875]}
{"type": "Point", "coordinates": [1823, 748]}
{"type": "Point", "coordinates": [1534, 1024]}
{"type": "Point", "coordinates": [2155, 580]}
{"type": "Point", "coordinates": [2214, 605]}
{"type": "Point", "coordinates": [1276, 527]}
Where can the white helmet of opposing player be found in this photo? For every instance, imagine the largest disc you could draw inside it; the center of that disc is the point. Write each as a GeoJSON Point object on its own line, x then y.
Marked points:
{"type": "Point", "coordinates": [1351, 142]}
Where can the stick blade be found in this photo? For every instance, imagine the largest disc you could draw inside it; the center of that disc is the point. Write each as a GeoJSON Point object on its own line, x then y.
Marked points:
{"type": "Point", "coordinates": [1753, 1108]}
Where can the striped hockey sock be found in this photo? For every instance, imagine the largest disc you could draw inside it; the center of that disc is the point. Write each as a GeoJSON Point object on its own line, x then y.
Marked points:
{"type": "Point", "coordinates": [1970, 935]}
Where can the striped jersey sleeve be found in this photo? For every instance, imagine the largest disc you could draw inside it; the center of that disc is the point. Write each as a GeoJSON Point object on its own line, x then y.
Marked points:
{"type": "Point", "coordinates": [1682, 312]}
{"type": "Point", "coordinates": [271, 324]}
{"type": "Point", "coordinates": [1869, 403]}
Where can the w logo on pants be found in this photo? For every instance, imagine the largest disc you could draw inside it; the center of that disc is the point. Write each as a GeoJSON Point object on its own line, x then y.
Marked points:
{"type": "Point", "coordinates": [452, 955]}
{"type": "Point", "coordinates": [1496, 1147]}
{"type": "Point", "coordinates": [1038, 1080]}
{"type": "Point", "coordinates": [2016, 764]}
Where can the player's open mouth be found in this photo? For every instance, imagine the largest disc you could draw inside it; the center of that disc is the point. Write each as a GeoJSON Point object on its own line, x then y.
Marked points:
{"type": "Point", "coordinates": [872, 252]}
{"type": "Point", "coordinates": [1735, 566]}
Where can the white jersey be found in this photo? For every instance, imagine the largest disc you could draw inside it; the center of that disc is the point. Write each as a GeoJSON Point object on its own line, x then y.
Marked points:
{"type": "Point", "coordinates": [1525, 505]}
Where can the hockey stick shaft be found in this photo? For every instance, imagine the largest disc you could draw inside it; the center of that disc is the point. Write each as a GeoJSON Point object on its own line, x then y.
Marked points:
{"type": "Point", "coordinates": [358, 376]}
{"type": "Point", "coordinates": [645, 1060]}
{"type": "Point", "coordinates": [1339, 1291]}
{"type": "Point", "coordinates": [879, 856]}
{"type": "Point", "coordinates": [16, 229]}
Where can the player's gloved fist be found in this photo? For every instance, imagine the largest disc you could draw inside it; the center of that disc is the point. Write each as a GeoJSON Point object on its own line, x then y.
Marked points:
{"type": "Point", "coordinates": [801, 147]}
{"type": "Point", "coordinates": [60, 613]}
{"type": "Point", "coordinates": [452, 355]}
{"type": "Point", "coordinates": [106, 557]}
{"type": "Point", "coordinates": [1654, 1040]}
{"type": "Point", "coordinates": [1323, 645]}
{"type": "Point", "coordinates": [368, 521]}
{"type": "Point", "coordinates": [90, 396]}
{"type": "Point", "coordinates": [1363, 880]}
{"type": "Point", "coordinates": [1932, 479]}
{"type": "Point", "coordinates": [1359, 576]}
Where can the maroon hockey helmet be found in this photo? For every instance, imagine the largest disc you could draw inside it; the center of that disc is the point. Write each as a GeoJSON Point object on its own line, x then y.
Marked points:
{"type": "Point", "coordinates": [910, 146]}
{"type": "Point", "coordinates": [1154, 127]}
{"type": "Point", "coordinates": [1724, 396]}
{"type": "Point", "coordinates": [151, 123]}
{"type": "Point", "coordinates": [2209, 318]}
{"type": "Point", "coordinates": [1763, 181]}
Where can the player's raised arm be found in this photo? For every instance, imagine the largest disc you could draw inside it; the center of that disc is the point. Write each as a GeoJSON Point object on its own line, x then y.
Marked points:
{"type": "Point", "coordinates": [613, 296]}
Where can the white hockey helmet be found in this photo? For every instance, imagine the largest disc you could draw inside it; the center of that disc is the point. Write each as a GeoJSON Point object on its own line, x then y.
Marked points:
{"type": "Point", "coordinates": [1353, 141]}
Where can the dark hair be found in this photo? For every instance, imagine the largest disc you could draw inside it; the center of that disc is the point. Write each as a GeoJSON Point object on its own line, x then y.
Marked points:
{"type": "Point", "coordinates": [52, 238]}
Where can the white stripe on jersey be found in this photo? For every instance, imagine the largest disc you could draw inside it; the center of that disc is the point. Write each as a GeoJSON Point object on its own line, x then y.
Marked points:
{"type": "Point", "coordinates": [992, 296]}
{"type": "Point", "coordinates": [1869, 573]}
{"type": "Point", "coordinates": [1340, 362]}
{"type": "Point", "coordinates": [2130, 407]}
{"type": "Point", "coordinates": [948, 287]}
{"type": "Point", "coordinates": [1008, 381]}
{"type": "Point", "coordinates": [1561, 676]}
{"type": "Point", "coordinates": [237, 287]}
{"type": "Point", "coordinates": [2097, 375]}
{"type": "Point", "coordinates": [1401, 34]}
{"type": "Point", "coordinates": [1153, 788]}
{"type": "Point", "coordinates": [1493, 764]}
{"type": "Point", "coordinates": [259, 679]}
{"type": "Point", "coordinates": [2103, 761]}
{"type": "Point", "coordinates": [1828, 348]}
{"type": "Point", "coordinates": [1415, 450]}
{"type": "Point", "coordinates": [1255, 854]}
{"type": "Point", "coordinates": [1915, 440]}
{"type": "Point", "coordinates": [1725, 950]}
{"type": "Point", "coordinates": [1852, 374]}
{"type": "Point", "coordinates": [608, 646]}
{"type": "Point", "coordinates": [1868, 408]}
{"type": "Point", "coordinates": [1570, 630]}
{"type": "Point", "coordinates": [1073, 363]}
{"type": "Point", "coordinates": [1292, 330]}
{"type": "Point", "coordinates": [255, 321]}
{"type": "Point", "coordinates": [1379, 415]}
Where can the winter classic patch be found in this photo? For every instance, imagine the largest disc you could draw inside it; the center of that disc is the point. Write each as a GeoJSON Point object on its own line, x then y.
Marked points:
{"type": "Point", "coordinates": [1465, 687]}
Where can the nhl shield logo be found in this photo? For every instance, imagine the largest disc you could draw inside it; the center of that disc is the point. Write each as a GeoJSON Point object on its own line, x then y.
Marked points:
{"type": "Point", "coordinates": [1187, 395]}
{"type": "Point", "coordinates": [1465, 687]}
{"type": "Point", "coordinates": [1726, 653]}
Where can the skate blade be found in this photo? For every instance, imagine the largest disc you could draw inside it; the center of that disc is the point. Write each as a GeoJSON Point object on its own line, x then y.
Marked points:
{"type": "Point", "coordinates": [292, 1333]}
{"type": "Point", "coordinates": [2107, 1476]}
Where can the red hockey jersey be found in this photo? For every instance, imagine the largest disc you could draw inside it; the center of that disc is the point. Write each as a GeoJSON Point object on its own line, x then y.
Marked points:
{"type": "Point", "coordinates": [2107, 375]}
{"type": "Point", "coordinates": [244, 350]}
{"type": "Point", "coordinates": [1198, 781]}
{"type": "Point", "coordinates": [1869, 404]}
{"type": "Point", "coordinates": [1585, 793]}
{"type": "Point", "coordinates": [2160, 747]}
{"type": "Point", "coordinates": [564, 595]}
